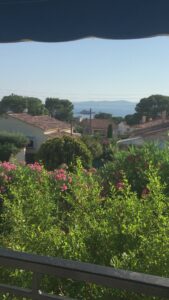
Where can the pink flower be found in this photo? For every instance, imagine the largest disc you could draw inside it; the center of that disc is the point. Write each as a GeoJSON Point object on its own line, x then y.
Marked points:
{"type": "Point", "coordinates": [60, 175]}
{"type": "Point", "coordinates": [119, 185]}
{"type": "Point", "coordinates": [36, 166]}
{"type": "Point", "coordinates": [70, 179]}
{"type": "Point", "coordinates": [7, 166]}
{"type": "Point", "coordinates": [145, 192]}
{"type": "Point", "coordinates": [61, 170]}
{"type": "Point", "coordinates": [64, 187]}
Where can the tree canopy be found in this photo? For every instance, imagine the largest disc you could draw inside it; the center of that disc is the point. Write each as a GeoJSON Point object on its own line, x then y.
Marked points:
{"type": "Point", "coordinates": [18, 104]}
{"type": "Point", "coordinates": [110, 131]}
{"type": "Point", "coordinates": [103, 115]}
{"type": "Point", "coordinates": [35, 107]}
{"type": "Point", "coordinates": [60, 109]}
{"type": "Point", "coordinates": [133, 119]}
{"type": "Point", "coordinates": [153, 106]}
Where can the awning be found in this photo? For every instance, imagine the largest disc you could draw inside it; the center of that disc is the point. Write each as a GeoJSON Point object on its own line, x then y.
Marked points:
{"type": "Point", "coordinates": [65, 20]}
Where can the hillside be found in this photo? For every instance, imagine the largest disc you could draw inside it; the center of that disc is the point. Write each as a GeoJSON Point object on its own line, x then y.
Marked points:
{"type": "Point", "coordinates": [116, 108]}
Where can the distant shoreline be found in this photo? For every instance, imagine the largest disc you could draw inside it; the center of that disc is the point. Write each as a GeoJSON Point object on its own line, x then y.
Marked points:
{"type": "Point", "coordinates": [116, 108]}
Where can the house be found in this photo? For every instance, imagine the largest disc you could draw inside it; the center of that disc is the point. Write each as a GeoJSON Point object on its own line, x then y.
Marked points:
{"type": "Point", "coordinates": [36, 128]}
{"type": "Point", "coordinates": [98, 127]}
{"type": "Point", "coordinates": [124, 128]}
{"type": "Point", "coordinates": [153, 131]}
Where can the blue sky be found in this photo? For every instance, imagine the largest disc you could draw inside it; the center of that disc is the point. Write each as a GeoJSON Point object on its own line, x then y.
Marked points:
{"type": "Point", "coordinates": [89, 69]}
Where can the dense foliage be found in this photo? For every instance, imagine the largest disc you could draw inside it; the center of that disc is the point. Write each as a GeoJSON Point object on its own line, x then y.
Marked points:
{"type": "Point", "coordinates": [60, 109]}
{"type": "Point", "coordinates": [114, 217]}
{"type": "Point", "coordinates": [110, 131]}
{"type": "Point", "coordinates": [134, 163]}
{"type": "Point", "coordinates": [64, 150]}
{"type": "Point", "coordinates": [57, 108]}
{"type": "Point", "coordinates": [94, 144]}
{"type": "Point", "coordinates": [102, 149]}
{"type": "Point", "coordinates": [133, 119]}
{"type": "Point", "coordinates": [18, 104]}
{"type": "Point", "coordinates": [153, 106]}
{"type": "Point", "coordinates": [103, 116]}
{"type": "Point", "coordinates": [11, 143]}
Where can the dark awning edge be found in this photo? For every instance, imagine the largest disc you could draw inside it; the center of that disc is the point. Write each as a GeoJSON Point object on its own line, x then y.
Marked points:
{"type": "Point", "coordinates": [68, 20]}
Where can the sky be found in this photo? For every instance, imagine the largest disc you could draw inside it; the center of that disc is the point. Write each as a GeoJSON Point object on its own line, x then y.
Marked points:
{"type": "Point", "coordinates": [88, 69]}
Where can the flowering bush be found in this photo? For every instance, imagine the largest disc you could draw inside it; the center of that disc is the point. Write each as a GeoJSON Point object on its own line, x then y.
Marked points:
{"type": "Point", "coordinates": [134, 163]}
{"type": "Point", "coordinates": [69, 215]}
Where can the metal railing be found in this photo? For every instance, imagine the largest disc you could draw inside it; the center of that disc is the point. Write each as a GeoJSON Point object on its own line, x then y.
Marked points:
{"type": "Point", "coordinates": [100, 275]}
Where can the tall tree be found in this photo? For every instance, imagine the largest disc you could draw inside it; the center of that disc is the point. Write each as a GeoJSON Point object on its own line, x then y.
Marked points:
{"type": "Point", "coordinates": [153, 106]}
{"type": "Point", "coordinates": [35, 106]}
{"type": "Point", "coordinates": [133, 119]}
{"type": "Point", "coordinates": [110, 131]}
{"type": "Point", "coordinates": [18, 104]}
{"type": "Point", "coordinates": [13, 103]}
{"type": "Point", "coordinates": [60, 109]}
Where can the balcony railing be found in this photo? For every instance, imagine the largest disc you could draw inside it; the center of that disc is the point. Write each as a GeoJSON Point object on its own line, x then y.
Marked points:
{"type": "Point", "coordinates": [100, 275]}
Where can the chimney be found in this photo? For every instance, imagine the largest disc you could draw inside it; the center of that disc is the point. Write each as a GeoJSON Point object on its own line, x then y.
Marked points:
{"type": "Point", "coordinates": [143, 120]}
{"type": "Point", "coordinates": [163, 115]}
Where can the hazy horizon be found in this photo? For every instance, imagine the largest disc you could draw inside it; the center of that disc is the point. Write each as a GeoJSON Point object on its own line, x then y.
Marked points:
{"type": "Point", "coordinates": [123, 100]}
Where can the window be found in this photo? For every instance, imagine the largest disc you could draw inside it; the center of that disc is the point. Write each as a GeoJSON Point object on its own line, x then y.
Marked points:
{"type": "Point", "coordinates": [31, 143]}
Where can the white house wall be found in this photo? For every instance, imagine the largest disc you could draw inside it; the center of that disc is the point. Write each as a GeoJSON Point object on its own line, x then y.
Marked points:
{"type": "Point", "coordinates": [10, 124]}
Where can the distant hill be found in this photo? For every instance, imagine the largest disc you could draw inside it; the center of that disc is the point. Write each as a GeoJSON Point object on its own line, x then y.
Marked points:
{"type": "Point", "coordinates": [116, 108]}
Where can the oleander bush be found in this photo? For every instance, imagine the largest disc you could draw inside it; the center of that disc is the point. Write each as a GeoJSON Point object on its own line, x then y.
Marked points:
{"type": "Point", "coordinates": [134, 163]}
{"type": "Point", "coordinates": [70, 215]}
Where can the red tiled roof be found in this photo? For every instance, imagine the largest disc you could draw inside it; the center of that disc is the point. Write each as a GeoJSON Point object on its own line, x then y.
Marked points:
{"type": "Point", "coordinates": [98, 123]}
{"type": "Point", "coordinates": [151, 124]}
{"type": "Point", "coordinates": [63, 133]}
{"type": "Point", "coordinates": [152, 127]}
{"type": "Point", "coordinates": [43, 122]}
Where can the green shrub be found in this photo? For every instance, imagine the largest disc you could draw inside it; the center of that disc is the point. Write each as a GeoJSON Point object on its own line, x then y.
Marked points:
{"type": "Point", "coordinates": [63, 150]}
{"type": "Point", "coordinates": [94, 144]}
{"type": "Point", "coordinates": [134, 162]}
{"type": "Point", "coordinates": [69, 217]}
{"type": "Point", "coordinates": [11, 143]}
{"type": "Point", "coordinates": [110, 131]}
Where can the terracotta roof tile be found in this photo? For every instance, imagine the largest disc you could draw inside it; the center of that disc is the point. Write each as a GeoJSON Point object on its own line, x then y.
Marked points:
{"type": "Point", "coordinates": [151, 124]}
{"type": "Point", "coordinates": [152, 128]}
{"type": "Point", "coordinates": [99, 123]}
{"type": "Point", "coordinates": [43, 122]}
